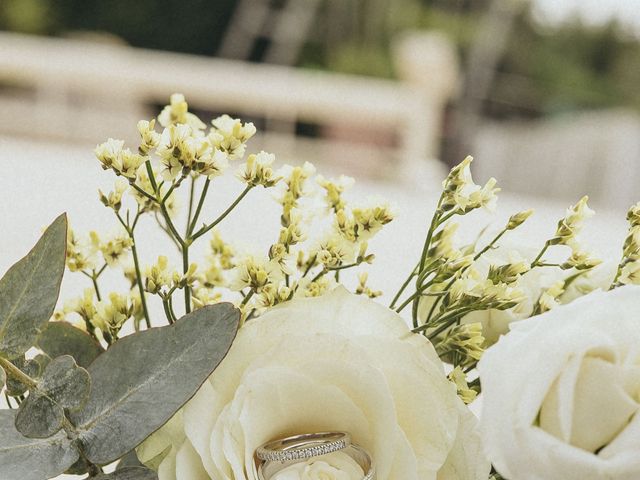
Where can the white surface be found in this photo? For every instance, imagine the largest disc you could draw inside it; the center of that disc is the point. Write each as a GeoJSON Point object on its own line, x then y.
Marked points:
{"type": "Point", "coordinates": [41, 180]}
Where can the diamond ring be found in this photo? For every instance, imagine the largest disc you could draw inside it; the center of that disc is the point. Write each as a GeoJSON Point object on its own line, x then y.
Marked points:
{"type": "Point", "coordinates": [302, 447]}
{"type": "Point", "coordinates": [275, 456]}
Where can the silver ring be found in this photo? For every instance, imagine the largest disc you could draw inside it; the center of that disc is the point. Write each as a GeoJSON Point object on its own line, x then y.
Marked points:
{"type": "Point", "coordinates": [302, 447]}
{"type": "Point", "coordinates": [267, 469]}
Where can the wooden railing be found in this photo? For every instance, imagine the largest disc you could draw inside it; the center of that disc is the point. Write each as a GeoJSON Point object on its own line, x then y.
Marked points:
{"type": "Point", "coordinates": [75, 89]}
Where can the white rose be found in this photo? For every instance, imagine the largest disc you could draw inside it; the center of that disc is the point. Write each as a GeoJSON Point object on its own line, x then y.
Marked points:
{"type": "Point", "coordinates": [337, 362]}
{"type": "Point", "coordinates": [561, 392]}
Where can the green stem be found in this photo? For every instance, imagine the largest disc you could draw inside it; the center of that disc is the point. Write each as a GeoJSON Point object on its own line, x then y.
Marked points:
{"type": "Point", "coordinates": [402, 288]}
{"type": "Point", "coordinates": [490, 244]}
{"type": "Point", "coordinates": [174, 185]}
{"type": "Point", "coordinates": [435, 221]}
{"type": "Point", "coordinates": [247, 297]}
{"type": "Point", "coordinates": [143, 193]}
{"type": "Point", "coordinates": [185, 268]}
{"type": "Point", "coordinates": [6, 397]}
{"type": "Point", "coordinates": [418, 294]}
{"type": "Point", "coordinates": [94, 280]}
{"type": "Point", "coordinates": [432, 227]}
{"type": "Point", "coordinates": [152, 177]}
{"type": "Point", "coordinates": [203, 195]}
{"type": "Point", "coordinates": [476, 257]}
{"type": "Point", "coordinates": [166, 230]}
{"type": "Point", "coordinates": [192, 188]}
{"type": "Point", "coordinates": [206, 228]}
{"type": "Point", "coordinates": [167, 309]}
{"type": "Point", "coordinates": [16, 373]}
{"type": "Point", "coordinates": [446, 320]}
{"type": "Point", "coordinates": [319, 274]}
{"type": "Point", "coordinates": [542, 252]}
{"type": "Point", "coordinates": [344, 267]}
{"type": "Point", "coordinates": [136, 263]}
{"type": "Point", "coordinates": [143, 298]}
{"type": "Point", "coordinates": [170, 225]}
{"type": "Point", "coordinates": [310, 265]}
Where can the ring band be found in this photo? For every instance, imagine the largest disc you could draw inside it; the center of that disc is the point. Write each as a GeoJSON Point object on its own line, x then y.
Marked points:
{"type": "Point", "coordinates": [267, 469]}
{"type": "Point", "coordinates": [302, 447]}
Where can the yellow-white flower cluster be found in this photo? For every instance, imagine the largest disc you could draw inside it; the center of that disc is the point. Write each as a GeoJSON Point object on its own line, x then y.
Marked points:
{"type": "Point", "coordinates": [629, 268]}
{"type": "Point", "coordinates": [178, 148]}
{"type": "Point", "coordinates": [462, 195]}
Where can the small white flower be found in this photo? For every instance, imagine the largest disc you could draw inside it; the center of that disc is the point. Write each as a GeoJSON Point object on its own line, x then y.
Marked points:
{"type": "Point", "coordinates": [259, 170]}
{"type": "Point", "coordinates": [178, 112]}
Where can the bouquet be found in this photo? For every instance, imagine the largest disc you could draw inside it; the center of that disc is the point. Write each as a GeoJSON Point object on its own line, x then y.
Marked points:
{"type": "Point", "coordinates": [277, 365]}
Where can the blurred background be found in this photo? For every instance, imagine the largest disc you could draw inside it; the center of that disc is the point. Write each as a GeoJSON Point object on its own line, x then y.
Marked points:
{"type": "Point", "coordinates": [543, 93]}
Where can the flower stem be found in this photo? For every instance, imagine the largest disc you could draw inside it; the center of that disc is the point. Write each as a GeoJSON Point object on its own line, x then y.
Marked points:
{"type": "Point", "coordinates": [222, 216]}
{"type": "Point", "coordinates": [167, 309]}
{"type": "Point", "coordinates": [403, 288]}
{"type": "Point", "coordinates": [542, 252]}
{"type": "Point", "coordinates": [203, 195]}
{"type": "Point", "coordinates": [185, 268]}
{"type": "Point", "coordinates": [192, 188]}
{"type": "Point", "coordinates": [476, 257]}
{"type": "Point", "coordinates": [136, 263]}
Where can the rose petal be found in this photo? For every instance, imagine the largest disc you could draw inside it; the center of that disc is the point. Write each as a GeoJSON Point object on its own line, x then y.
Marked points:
{"type": "Point", "coordinates": [602, 408]}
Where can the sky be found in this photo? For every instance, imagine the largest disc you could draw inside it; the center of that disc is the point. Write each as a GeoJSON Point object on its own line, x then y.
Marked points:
{"type": "Point", "coordinates": [591, 11]}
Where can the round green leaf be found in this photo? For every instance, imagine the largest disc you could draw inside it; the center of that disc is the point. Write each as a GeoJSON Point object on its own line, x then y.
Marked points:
{"type": "Point", "coordinates": [29, 290]}
{"type": "Point", "coordinates": [62, 338]}
{"type": "Point", "coordinates": [23, 458]}
{"type": "Point", "coordinates": [65, 383]}
{"type": "Point", "coordinates": [39, 417]}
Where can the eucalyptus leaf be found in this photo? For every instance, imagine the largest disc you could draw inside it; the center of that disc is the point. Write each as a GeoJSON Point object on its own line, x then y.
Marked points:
{"type": "Point", "coordinates": [65, 383]}
{"type": "Point", "coordinates": [23, 458]}
{"type": "Point", "coordinates": [43, 360]}
{"type": "Point", "coordinates": [29, 290]}
{"type": "Point", "coordinates": [130, 473]}
{"type": "Point", "coordinates": [3, 378]}
{"type": "Point", "coordinates": [78, 468]}
{"type": "Point", "coordinates": [129, 460]}
{"type": "Point", "coordinates": [144, 378]}
{"type": "Point", "coordinates": [31, 367]}
{"type": "Point", "coordinates": [39, 417]}
{"type": "Point", "coordinates": [62, 338]}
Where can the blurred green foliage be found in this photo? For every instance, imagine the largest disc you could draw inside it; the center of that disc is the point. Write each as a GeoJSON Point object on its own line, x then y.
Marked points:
{"type": "Point", "coordinates": [193, 26]}
{"type": "Point", "coordinates": [544, 70]}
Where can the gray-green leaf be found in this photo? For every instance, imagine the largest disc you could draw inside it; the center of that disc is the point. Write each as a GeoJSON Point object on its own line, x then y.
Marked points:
{"type": "Point", "coordinates": [23, 458]}
{"type": "Point", "coordinates": [29, 290]}
{"type": "Point", "coordinates": [130, 473]}
{"type": "Point", "coordinates": [39, 417]}
{"type": "Point", "coordinates": [64, 385]}
{"type": "Point", "coordinates": [62, 338]}
{"type": "Point", "coordinates": [3, 378]}
{"type": "Point", "coordinates": [31, 367]}
{"type": "Point", "coordinates": [143, 379]}
{"type": "Point", "coordinates": [129, 460]}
